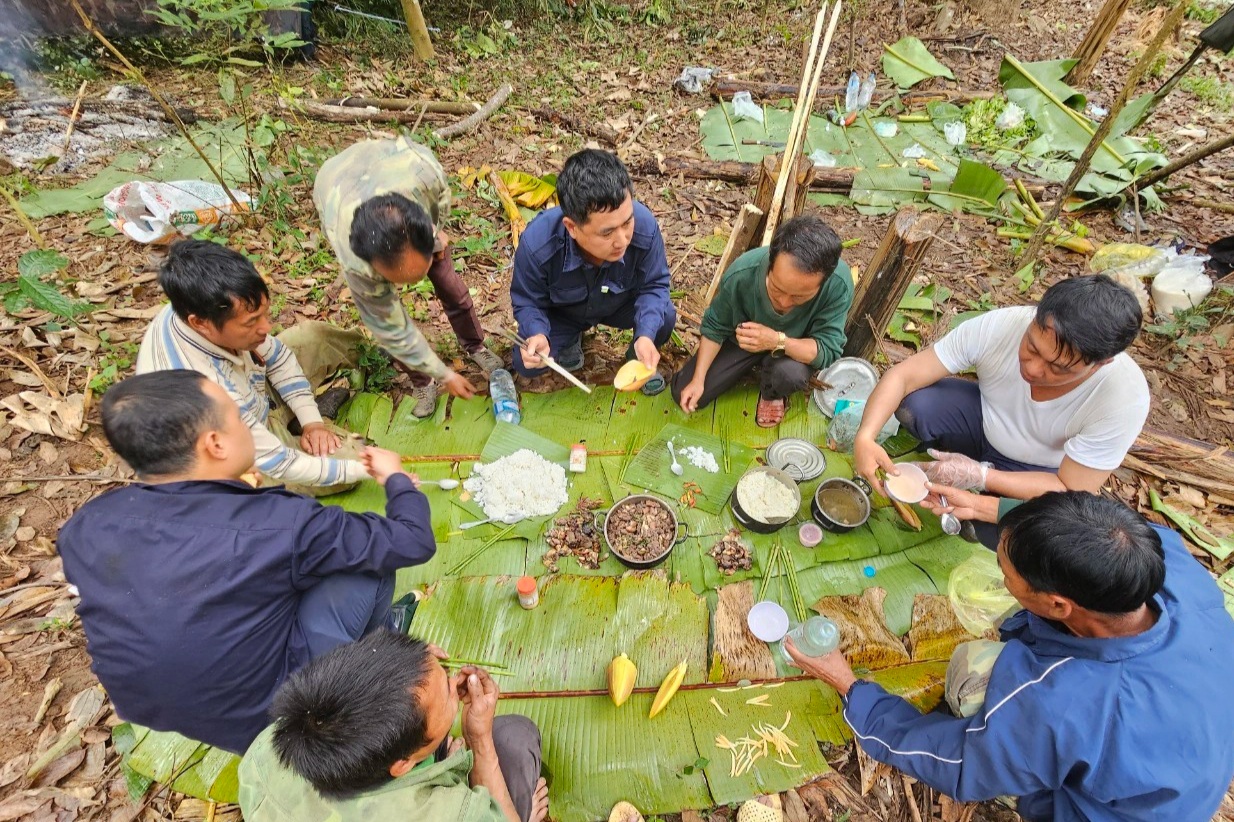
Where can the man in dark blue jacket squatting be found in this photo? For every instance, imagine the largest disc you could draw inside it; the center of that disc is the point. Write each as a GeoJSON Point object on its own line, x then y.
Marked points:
{"type": "Point", "coordinates": [1100, 703]}
{"type": "Point", "coordinates": [598, 259]}
{"type": "Point", "coordinates": [201, 594]}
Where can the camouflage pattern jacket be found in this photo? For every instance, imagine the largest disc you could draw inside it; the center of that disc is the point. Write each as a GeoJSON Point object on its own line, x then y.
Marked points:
{"type": "Point", "coordinates": [369, 169]}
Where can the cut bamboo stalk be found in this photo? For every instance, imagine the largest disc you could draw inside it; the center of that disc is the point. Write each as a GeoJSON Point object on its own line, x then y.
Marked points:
{"type": "Point", "coordinates": [1089, 52]}
{"type": "Point", "coordinates": [421, 43]}
{"type": "Point", "coordinates": [800, 110]}
{"type": "Point", "coordinates": [738, 242]}
{"type": "Point", "coordinates": [1098, 139]}
{"type": "Point", "coordinates": [727, 87]}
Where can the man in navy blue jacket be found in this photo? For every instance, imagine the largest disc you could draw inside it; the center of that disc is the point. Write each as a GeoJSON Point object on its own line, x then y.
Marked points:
{"type": "Point", "coordinates": [1100, 704]}
{"type": "Point", "coordinates": [597, 260]}
{"type": "Point", "coordinates": [199, 593]}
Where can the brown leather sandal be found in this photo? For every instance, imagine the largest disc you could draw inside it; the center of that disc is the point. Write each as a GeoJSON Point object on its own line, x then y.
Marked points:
{"type": "Point", "coordinates": [770, 413]}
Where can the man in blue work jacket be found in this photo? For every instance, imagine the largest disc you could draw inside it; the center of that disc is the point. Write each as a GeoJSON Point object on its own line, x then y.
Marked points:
{"type": "Point", "coordinates": [1100, 703]}
{"type": "Point", "coordinates": [598, 259]}
{"type": "Point", "coordinates": [199, 593]}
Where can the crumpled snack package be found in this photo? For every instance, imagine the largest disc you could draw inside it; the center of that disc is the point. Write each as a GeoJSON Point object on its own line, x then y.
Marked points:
{"type": "Point", "coordinates": [151, 212]}
{"type": "Point", "coordinates": [744, 107]}
{"type": "Point", "coordinates": [1128, 258]}
{"type": "Point", "coordinates": [694, 79]}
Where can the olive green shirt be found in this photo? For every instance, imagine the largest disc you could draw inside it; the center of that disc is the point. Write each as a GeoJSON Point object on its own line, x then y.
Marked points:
{"type": "Point", "coordinates": [436, 791]}
{"type": "Point", "coordinates": [742, 297]}
{"type": "Point", "coordinates": [369, 169]}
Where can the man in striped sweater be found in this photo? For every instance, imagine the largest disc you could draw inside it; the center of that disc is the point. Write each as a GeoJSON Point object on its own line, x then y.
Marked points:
{"type": "Point", "coordinates": [219, 324]}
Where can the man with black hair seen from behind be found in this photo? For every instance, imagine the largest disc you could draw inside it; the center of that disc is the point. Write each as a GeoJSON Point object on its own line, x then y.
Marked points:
{"type": "Point", "coordinates": [363, 735]}
{"type": "Point", "coordinates": [218, 324]}
{"type": "Point", "coordinates": [382, 204]}
{"type": "Point", "coordinates": [1056, 405]}
{"type": "Point", "coordinates": [598, 259]}
{"type": "Point", "coordinates": [780, 307]}
{"type": "Point", "coordinates": [199, 593]}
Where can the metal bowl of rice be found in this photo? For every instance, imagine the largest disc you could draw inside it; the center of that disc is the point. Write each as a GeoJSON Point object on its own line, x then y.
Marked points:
{"type": "Point", "coordinates": [765, 499]}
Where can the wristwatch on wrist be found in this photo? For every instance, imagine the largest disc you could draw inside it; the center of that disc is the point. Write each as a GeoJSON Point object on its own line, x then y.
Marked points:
{"type": "Point", "coordinates": [780, 341]}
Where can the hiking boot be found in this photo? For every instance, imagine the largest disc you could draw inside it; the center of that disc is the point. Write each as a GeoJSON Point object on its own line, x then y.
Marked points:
{"type": "Point", "coordinates": [654, 385]}
{"type": "Point", "coordinates": [329, 403]}
{"type": "Point", "coordinates": [968, 531]}
{"type": "Point", "coordinates": [401, 612]}
{"type": "Point", "coordinates": [486, 360]}
{"type": "Point", "coordinates": [426, 399]}
{"type": "Point", "coordinates": [571, 357]}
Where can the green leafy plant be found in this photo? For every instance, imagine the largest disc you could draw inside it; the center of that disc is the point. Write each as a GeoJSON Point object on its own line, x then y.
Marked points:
{"type": "Point", "coordinates": [227, 31]}
{"type": "Point", "coordinates": [1210, 91]}
{"type": "Point", "coordinates": [379, 370]}
{"type": "Point", "coordinates": [30, 290]}
{"type": "Point", "coordinates": [495, 38]}
{"type": "Point", "coordinates": [919, 304]}
{"type": "Point", "coordinates": [113, 361]}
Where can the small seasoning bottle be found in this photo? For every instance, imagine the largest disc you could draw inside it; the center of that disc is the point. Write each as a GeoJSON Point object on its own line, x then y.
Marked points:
{"type": "Point", "coordinates": [528, 594]}
{"type": "Point", "coordinates": [578, 458]}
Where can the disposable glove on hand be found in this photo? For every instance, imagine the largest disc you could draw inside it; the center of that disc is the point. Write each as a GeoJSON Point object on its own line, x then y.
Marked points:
{"type": "Point", "coordinates": [956, 470]}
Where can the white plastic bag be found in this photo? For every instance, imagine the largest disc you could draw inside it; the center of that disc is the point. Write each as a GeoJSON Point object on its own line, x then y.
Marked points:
{"type": "Point", "coordinates": [1181, 284]}
{"type": "Point", "coordinates": [744, 107]}
{"type": "Point", "coordinates": [152, 212]}
{"type": "Point", "coordinates": [822, 158]}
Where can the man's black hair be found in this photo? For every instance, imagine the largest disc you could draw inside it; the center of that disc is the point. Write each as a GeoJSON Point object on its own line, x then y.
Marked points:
{"type": "Point", "coordinates": [1093, 317]}
{"type": "Point", "coordinates": [1094, 551]}
{"type": "Point", "coordinates": [207, 279]}
{"type": "Point", "coordinates": [384, 227]}
{"type": "Point", "coordinates": [811, 242]}
{"type": "Point", "coordinates": [342, 720]}
{"type": "Point", "coordinates": [592, 180]}
{"type": "Point", "coordinates": [153, 420]}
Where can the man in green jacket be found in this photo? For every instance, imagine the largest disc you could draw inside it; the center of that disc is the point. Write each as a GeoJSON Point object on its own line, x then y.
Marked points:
{"type": "Point", "coordinates": [362, 734]}
{"type": "Point", "coordinates": [782, 308]}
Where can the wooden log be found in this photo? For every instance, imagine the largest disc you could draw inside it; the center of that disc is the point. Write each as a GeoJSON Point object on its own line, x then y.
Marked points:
{"type": "Point", "coordinates": [421, 43]}
{"type": "Point", "coordinates": [834, 180]}
{"type": "Point", "coordinates": [880, 289]}
{"type": "Point", "coordinates": [485, 112]}
{"type": "Point", "coordinates": [1089, 52]}
{"type": "Point", "coordinates": [595, 130]}
{"type": "Point", "coordinates": [739, 240]}
{"type": "Point", "coordinates": [401, 104]}
{"type": "Point", "coordinates": [348, 114]}
{"type": "Point", "coordinates": [768, 170]}
{"type": "Point", "coordinates": [1042, 231]}
{"type": "Point", "coordinates": [726, 87]}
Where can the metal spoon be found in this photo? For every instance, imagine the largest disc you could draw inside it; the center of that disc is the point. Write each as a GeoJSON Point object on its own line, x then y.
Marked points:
{"type": "Point", "coordinates": [949, 521]}
{"type": "Point", "coordinates": [676, 466]}
{"type": "Point", "coordinates": [508, 519]}
{"type": "Point", "coordinates": [444, 485]}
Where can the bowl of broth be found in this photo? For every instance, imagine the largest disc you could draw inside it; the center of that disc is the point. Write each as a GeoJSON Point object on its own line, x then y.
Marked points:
{"type": "Point", "coordinates": [840, 505]}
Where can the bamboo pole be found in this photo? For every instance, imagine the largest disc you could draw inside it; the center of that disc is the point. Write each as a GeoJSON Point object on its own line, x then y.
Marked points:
{"type": "Point", "coordinates": [421, 43]}
{"type": "Point", "coordinates": [800, 110]}
{"type": "Point", "coordinates": [1089, 52]}
{"type": "Point", "coordinates": [738, 242]}
{"type": "Point", "coordinates": [1103, 130]}
{"type": "Point", "coordinates": [727, 87]}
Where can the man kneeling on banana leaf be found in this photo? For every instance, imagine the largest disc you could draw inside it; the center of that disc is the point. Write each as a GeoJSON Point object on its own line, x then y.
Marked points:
{"type": "Point", "coordinates": [1099, 702]}
{"type": "Point", "coordinates": [363, 735]}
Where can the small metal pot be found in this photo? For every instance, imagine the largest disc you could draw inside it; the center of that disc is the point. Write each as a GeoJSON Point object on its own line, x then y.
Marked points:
{"type": "Point", "coordinates": [749, 522]}
{"type": "Point", "coordinates": [821, 516]}
{"type": "Point", "coordinates": [653, 561]}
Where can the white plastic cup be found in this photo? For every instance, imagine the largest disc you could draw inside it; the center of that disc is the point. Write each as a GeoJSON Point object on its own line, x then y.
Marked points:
{"type": "Point", "coordinates": [768, 621]}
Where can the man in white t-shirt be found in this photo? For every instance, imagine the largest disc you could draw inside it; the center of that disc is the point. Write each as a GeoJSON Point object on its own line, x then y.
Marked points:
{"type": "Point", "coordinates": [1056, 405]}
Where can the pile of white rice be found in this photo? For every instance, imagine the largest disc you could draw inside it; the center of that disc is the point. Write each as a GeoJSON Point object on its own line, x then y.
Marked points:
{"type": "Point", "coordinates": [700, 457]}
{"type": "Point", "coordinates": [523, 484]}
{"type": "Point", "coordinates": [765, 498]}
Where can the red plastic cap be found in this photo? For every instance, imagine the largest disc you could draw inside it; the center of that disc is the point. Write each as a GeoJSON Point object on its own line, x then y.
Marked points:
{"type": "Point", "coordinates": [526, 585]}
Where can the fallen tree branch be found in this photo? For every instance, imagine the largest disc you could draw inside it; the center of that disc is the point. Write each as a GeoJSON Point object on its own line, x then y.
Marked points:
{"type": "Point", "coordinates": [401, 104]}
{"type": "Point", "coordinates": [1190, 158]}
{"type": "Point", "coordinates": [485, 112]}
{"type": "Point", "coordinates": [599, 132]}
{"type": "Point", "coordinates": [348, 114]}
{"type": "Point", "coordinates": [68, 134]}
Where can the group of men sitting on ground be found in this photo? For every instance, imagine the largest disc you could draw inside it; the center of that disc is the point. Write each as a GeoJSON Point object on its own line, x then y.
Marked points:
{"type": "Point", "coordinates": [214, 608]}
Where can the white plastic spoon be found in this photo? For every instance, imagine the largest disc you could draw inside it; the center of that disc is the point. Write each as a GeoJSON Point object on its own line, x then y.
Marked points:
{"type": "Point", "coordinates": [508, 519]}
{"type": "Point", "coordinates": [676, 466]}
{"type": "Point", "coordinates": [444, 485]}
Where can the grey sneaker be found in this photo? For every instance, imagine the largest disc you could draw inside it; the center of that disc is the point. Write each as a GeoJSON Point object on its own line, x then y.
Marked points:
{"type": "Point", "coordinates": [486, 360]}
{"type": "Point", "coordinates": [571, 357]}
{"type": "Point", "coordinates": [426, 399]}
{"type": "Point", "coordinates": [654, 385]}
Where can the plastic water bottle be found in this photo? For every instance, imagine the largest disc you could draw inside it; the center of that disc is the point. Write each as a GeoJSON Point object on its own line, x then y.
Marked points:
{"type": "Point", "coordinates": [866, 94]}
{"type": "Point", "coordinates": [852, 92]}
{"type": "Point", "coordinates": [505, 398]}
{"type": "Point", "coordinates": [817, 636]}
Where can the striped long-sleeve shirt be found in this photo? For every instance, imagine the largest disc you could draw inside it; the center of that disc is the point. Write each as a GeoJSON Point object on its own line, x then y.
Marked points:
{"type": "Point", "coordinates": [169, 343]}
{"type": "Point", "coordinates": [369, 169]}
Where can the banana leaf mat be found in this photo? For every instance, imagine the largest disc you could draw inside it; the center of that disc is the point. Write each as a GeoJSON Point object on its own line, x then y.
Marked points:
{"type": "Point", "coordinates": [650, 468]}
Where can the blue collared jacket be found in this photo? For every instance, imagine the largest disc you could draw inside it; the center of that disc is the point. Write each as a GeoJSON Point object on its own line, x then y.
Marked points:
{"type": "Point", "coordinates": [190, 590]}
{"type": "Point", "coordinates": [552, 277]}
{"type": "Point", "coordinates": [1130, 728]}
